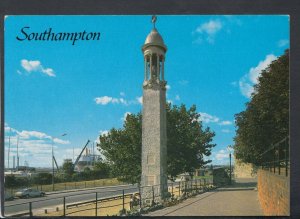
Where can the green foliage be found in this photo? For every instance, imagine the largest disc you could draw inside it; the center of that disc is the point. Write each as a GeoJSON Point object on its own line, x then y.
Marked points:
{"type": "Point", "coordinates": [42, 179]}
{"type": "Point", "coordinates": [68, 169]}
{"type": "Point", "coordinates": [266, 118]}
{"type": "Point", "coordinates": [122, 149]}
{"type": "Point", "coordinates": [187, 143]}
{"type": "Point", "coordinates": [12, 181]}
{"type": "Point", "coordinates": [102, 170]}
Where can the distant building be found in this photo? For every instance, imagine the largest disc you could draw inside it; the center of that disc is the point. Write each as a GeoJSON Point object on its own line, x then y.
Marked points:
{"type": "Point", "coordinates": [86, 160]}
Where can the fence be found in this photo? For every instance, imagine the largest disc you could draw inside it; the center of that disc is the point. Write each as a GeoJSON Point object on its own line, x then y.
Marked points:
{"type": "Point", "coordinates": [104, 202]}
{"type": "Point", "coordinates": [69, 185]}
{"type": "Point", "coordinates": [276, 158]}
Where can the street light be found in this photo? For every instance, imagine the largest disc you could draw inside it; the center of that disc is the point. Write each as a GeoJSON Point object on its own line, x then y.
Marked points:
{"type": "Point", "coordinates": [229, 148]}
{"type": "Point", "coordinates": [53, 160]}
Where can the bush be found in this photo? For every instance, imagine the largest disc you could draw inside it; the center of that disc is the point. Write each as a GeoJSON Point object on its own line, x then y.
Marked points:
{"type": "Point", "coordinates": [42, 179]}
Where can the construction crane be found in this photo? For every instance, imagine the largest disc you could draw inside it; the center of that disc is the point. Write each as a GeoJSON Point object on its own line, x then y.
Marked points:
{"type": "Point", "coordinates": [76, 161]}
{"type": "Point", "coordinates": [55, 163]}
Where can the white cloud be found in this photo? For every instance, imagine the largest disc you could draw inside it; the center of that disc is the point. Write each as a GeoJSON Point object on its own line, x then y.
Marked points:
{"type": "Point", "coordinates": [282, 43]}
{"type": "Point", "coordinates": [33, 134]}
{"type": "Point", "coordinates": [207, 118]}
{"type": "Point", "coordinates": [168, 87]}
{"type": "Point", "coordinates": [49, 72]}
{"type": "Point", "coordinates": [255, 72]}
{"type": "Point", "coordinates": [246, 89]}
{"type": "Point", "coordinates": [221, 155]}
{"type": "Point", "coordinates": [207, 31]}
{"type": "Point", "coordinates": [9, 129]}
{"type": "Point", "coordinates": [140, 100]}
{"type": "Point", "coordinates": [103, 100]}
{"type": "Point", "coordinates": [30, 65]}
{"type": "Point", "coordinates": [60, 141]}
{"type": "Point", "coordinates": [34, 146]}
{"type": "Point", "coordinates": [177, 97]}
{"type": "Point", "coordinates": [125, 115]}
{"type": "Point", "coordinates": [211, 27]}
{"type": "Point", "coordinates": [115, 100]}
{"type": "Point", "coordinates": [123, 101]}
{"type": "Point", "coordinates": [226, 122]}
{"type": "Point", "coordinates": [36, 66]}
{"type": "Point", "coordinates": [225, 130]}
{"type": "Point", "coordinates": [247, 81]}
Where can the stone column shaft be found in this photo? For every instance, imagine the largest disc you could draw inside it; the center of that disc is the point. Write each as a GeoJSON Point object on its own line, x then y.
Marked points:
{"type": "Point", "coordinates": [150, 66]}
{"type": "Point", "coordinates": [157, 67]}
{"type": "Point", "coordinates": [163, 69]}
{"type": "Point", "coordinates": [145, 68]}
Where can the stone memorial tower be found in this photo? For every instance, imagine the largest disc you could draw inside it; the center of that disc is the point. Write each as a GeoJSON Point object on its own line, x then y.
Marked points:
{"type": "Point", "coordinates": [154, 133]}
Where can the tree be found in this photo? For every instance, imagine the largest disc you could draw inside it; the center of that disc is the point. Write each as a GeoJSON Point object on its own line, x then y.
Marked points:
{"type": "Point", "coordinates": [42, 178]}
{"type": "Point", "coordinates": [187, 144]}
{"type": "Point", "coordinates": [87, 173]}
{"type": "Point", "coordinates": [266, 118]}
{"type": "Point", "coordinates": [68, 169]}
{"type": "Point", "coordinates": [102, 170]}
{"type": "Point", "coordinates": [10, 181]}
{"type": "Point", "coordinates": [122, 149]}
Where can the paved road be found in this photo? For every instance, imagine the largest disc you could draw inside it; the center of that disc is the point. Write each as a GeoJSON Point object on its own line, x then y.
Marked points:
{"type": "Point", "coordinates": [51, 200]}
{"type": "Point", "coordinates": [240, 199]}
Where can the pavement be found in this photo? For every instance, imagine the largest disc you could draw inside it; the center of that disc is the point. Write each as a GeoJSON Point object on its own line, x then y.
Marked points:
{"type": "Point", "coordinates": [239, 199]}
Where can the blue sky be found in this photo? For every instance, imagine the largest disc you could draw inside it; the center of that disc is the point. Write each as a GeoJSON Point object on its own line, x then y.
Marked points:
{"type": "Point", "coordinates": [52, 88]}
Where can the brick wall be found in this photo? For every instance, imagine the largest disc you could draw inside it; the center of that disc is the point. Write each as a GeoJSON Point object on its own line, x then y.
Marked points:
{"type": "Point", "coordinates": [273, 193]}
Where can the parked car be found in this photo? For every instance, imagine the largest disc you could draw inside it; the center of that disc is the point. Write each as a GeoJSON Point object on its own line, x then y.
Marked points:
{"type": "Point", "coordinates": [27, 193]}
{"type": "Point", "coordinates": [8, 196]}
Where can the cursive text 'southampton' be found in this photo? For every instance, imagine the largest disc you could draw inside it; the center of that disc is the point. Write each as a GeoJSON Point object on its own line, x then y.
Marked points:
{"type": "Point", "coordinates": [49, 35]}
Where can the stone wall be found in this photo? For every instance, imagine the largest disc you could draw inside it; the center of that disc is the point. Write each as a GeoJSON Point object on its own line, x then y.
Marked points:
{"type": "Point", "coordinates": [274, 193]}
{"type": "Point", "coordinates": [244, 170]}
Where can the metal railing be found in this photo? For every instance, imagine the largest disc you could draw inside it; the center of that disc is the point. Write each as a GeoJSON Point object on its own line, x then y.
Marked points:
{"type": "Point", "coordinates": [276, 158]}
{"type": "Point", "coordinates": [106, 202]}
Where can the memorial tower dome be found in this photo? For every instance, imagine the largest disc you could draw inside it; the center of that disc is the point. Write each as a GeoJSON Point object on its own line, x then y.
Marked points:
{"type": "Point", "coordinates": [154, 50]}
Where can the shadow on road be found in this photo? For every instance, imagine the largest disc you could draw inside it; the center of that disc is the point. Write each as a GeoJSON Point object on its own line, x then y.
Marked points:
{"type": "Point", "coordinates": [240, 184]}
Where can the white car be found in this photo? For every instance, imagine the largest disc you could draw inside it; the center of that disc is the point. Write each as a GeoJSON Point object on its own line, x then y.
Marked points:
{"type": "Point", "coordinates": [27, 193]}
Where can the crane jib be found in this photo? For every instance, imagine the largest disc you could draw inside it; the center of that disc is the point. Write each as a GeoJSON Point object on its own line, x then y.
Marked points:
{"type": "Point", "coordinates": [75, 163]}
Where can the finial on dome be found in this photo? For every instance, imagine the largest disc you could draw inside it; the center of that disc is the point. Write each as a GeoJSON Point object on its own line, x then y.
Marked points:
{"type": "Point", "coordinates": [153, 20]}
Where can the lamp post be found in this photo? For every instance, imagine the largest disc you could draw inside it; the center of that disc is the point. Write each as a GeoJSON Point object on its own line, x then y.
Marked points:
{"type": "Point", "coordinates": [229, 148]}
{"type": "Point", "coordinates": [53, 160]}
